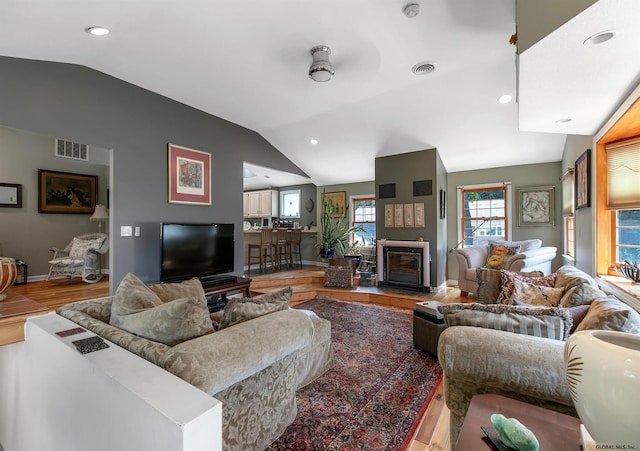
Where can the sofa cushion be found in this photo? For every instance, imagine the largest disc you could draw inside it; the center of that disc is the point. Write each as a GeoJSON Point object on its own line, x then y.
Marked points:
{"type": "Point", "coordinates": [610, 313]}
{"type": "Point", "coordinates": [499, 254]}
{"type": "Point", "coordinates": [507, 285]}
{"type": "Point", "coordinates": [535, 295]}
{"type": "Point", "coordinates": [525, 245]}
{"type": "Point", "coordinates": [239, 310]}
{"type": "Point", "coordinates": [580, 288]}
{"type": "Point", "coordinates": [180, 315]}
{"type": "Point", "coordinates": [547, 322]}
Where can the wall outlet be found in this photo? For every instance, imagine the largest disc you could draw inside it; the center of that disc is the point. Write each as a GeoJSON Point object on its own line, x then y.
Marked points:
{"type": "Point", "coordinates": [125, 230]}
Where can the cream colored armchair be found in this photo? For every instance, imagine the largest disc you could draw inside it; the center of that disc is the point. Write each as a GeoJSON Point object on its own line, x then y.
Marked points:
{"type": "Point", "coordinates": [80, 258]}
{"type": "Point", "coordinates": [532, 257]}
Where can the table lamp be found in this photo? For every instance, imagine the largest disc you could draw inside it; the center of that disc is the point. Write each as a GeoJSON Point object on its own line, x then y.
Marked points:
{"type": "Point", "coordinates": [100, 213]}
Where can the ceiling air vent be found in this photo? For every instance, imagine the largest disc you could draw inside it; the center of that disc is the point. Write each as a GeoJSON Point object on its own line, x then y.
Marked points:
{"type": "Point", "coordinates": [69, 149]}
{"type": "Point", "coordinates": [423, 68]}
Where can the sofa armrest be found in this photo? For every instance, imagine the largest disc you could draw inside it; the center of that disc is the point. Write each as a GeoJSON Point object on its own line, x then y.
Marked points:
{"type": "Point", "coordinates": [477, 360]}
{"type": "Point", "coordinates": [533, 259]}
{"type": "Point", "coordinates": [472, 256]}
{"type": "Point", "coordinates": [218, 360]}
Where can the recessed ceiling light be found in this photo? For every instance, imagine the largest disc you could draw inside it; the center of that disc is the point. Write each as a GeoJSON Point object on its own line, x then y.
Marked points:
{"type": "Point", "coordinates": [563, 120]}
{"type": "Point", "coordinates": [505, 98]}
{"type": "Point", "coordinates": [313, 141]}
{"type": "Point", "coordinates": [599, 38]}
{"type": "Point", "coordinates": [98, 31]}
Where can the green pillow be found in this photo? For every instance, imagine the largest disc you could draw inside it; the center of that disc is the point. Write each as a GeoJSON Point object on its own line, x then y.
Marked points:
{"type": "Point", "coordinates": [179, 314]}
{"type": "Point", "coordinates": [547, 322]}
{"type": "Point", "coordinates": [239, 310]}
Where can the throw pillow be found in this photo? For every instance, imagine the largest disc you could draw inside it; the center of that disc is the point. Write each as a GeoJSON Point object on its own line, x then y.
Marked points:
{"type": "Point", "coordinates": [499, 254]}
{"type": "Point", "coordinates": [525, 245]}
{"type": "Point", "coordinates": [535, 295]}
{"type": "Point", "coordinates": [507, 278]}
{"type": "Point", "coordinates": [137, 309]}
{"type": "Point", "coordinates": [547, 322]}
{"type": "Point", "coordinates": [79, 247]}
{"type": "Point", "coordinates": [610, 313]}
{"type": "Point", "coordinates": [239, 310]}
{"type": "Point", "coordinates": [577, 313]}
{"type": "Point", "coordinates": [580, 294]}
{"type": "Point", "coordinates": [488, 285]}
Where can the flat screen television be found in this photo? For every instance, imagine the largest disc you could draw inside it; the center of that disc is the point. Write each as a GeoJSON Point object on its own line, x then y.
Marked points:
{"type": "Point", "coordinates": [196, 250]}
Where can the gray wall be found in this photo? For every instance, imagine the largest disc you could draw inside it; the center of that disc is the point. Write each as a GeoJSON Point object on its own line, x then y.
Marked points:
{"type": "Point", "coordinates": [545, 174]}
{"type": "Point", "coordinates": [84, 105]}
{"type": "Point", "coordinates": [25, 233]}
{"type": "Point", "coordinates": [403, 170]}
{"type": "Point", "coordinates": [585, 217]}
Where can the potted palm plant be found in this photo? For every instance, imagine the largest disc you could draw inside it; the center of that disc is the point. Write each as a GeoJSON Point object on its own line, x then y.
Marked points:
{"type": "Point", "coordinates": [336, 230]}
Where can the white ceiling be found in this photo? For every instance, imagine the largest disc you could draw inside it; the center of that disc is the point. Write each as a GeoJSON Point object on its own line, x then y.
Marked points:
{"type": "Point", "coordinates": [247, 62]}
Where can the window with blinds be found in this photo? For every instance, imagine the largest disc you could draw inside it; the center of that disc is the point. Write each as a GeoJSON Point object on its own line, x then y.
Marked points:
{"type": "Point", "coordinates": [623, 175]}
{"type": "Point", "coordinates": [623, 196]}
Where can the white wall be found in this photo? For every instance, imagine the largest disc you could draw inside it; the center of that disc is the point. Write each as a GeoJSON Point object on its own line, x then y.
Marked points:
{"type": "Point", "coordinates": [54, 398]}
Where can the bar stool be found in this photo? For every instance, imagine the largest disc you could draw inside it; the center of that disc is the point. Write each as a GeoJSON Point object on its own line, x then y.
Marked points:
{"type": "Point", "coordinates": [296, 243]}
{"type": "Point", "coordinates": [283, 247]}
{"type": "Point", "coordinates": [265, 250]}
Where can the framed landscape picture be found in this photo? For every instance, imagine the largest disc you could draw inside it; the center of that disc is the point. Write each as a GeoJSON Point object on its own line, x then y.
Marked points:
{"type": "Point", "coordinates": [66, 192]}
{"type": "Point", "coordinates": [189, 176]}
{"type": "Point", "coordinates": [536, 206]}
{"type": "Point", "coordinates": [583, 180]}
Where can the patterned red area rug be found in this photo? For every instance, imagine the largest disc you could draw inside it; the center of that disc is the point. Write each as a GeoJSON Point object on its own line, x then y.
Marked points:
{"type": "Point", "coordinates": [375, 393]}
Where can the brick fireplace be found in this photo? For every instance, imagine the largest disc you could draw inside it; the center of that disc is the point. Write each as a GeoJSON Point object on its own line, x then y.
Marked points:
{"type": "Point", "coordinates": [404, 264]}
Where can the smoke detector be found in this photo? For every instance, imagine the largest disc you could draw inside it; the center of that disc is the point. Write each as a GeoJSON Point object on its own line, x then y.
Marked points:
{"type": "Point", "coordinates": [411, 10]}
{"type": "Point", "coordinates": [423, 68]}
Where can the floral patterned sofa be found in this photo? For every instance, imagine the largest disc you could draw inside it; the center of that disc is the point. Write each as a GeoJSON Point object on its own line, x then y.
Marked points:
{"type": "Point", "coordinates": [517, 350]}
{"type": "Point", "coordinates": [253, 365]}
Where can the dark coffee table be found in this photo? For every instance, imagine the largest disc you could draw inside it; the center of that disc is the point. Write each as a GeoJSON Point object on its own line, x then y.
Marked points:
{"type": "Point", "coordinates": [555, 431]}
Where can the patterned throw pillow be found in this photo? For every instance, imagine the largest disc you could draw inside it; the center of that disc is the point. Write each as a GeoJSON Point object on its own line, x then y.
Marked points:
{"type": "Point", "coordinates": [79, 247]}
{"type": "Point", "coordinates": [180, 316]}
{"type": "Point", "coordinates": [547, 322]}
{"type": "Point", "coordinates": [499, 254]}
{"type": "Point", "coordinates": [239, 310]}
{"type": "Point", "coordinates": [610, 313]}
{"type": "Point", "coordinates": [507, 278]}
{"type": "Point", "coordinates": [535, 295]}
{"type": "Point", "coordinates": [577, 313]}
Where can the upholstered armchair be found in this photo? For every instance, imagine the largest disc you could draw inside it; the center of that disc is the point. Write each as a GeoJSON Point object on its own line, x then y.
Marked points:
{"type": "Point", "coordinates": [80, 258]}
{"type": "Point", "coordinates": [531, 257]}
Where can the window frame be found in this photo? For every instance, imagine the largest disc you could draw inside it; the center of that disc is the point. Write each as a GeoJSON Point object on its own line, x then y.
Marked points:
{"type": "Point", "coordinates": [281, 209]}
{"type": "Point", "coordinates": [352, 206]}
{"type": "Point", "coordinates": [497, 186]}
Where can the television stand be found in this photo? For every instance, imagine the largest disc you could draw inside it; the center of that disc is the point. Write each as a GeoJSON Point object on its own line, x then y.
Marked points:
{"type": "Point", "coordinates": [216, 291]}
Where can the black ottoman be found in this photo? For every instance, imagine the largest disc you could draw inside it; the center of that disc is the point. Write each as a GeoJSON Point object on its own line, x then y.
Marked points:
{"type": "Point", "coordinates": [428, 324]}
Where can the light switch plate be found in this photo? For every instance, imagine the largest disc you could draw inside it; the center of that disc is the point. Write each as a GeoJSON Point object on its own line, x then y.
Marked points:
{"type": "Point", "coordinates": [125, 231]}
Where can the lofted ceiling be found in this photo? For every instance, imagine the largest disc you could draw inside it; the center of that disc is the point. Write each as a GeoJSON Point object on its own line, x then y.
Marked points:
{"type": "Point", "coordinates": [247, 62]}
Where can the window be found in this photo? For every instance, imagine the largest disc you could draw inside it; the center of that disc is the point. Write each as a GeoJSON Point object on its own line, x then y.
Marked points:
{"type": "Point", "coordinates": [568, 210]}
{"type": "Point", "coordinates": [627, 236]}
{"type": "Point", "coordinates": [364, 215]}
{"type": "Point", "coordinates": [570, 236]}
{"type": "Point", "coordinates": [484, 214]}
{"type": "Point", "coordinates": [290, 203]}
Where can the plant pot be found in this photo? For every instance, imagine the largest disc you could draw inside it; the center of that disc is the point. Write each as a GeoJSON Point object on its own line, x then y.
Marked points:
{"type": "Point", "coordinates": [603, 374]}
{"type": "Point", "coordinates": [8, 274]}
{"type": "Point", "coordinates": [324, 253]}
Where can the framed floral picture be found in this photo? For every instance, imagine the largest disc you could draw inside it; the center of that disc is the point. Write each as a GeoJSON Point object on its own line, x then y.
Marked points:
{"type": "Point", "coordinates": [189, 176]}
{"type": "Point", "coordinates": [408, 215]}
{"type": "Point", "coordinates": [583, 180]}
{"type": "Point", "coordinates": [398, 219]}
{"type": "Point", "coordinates": [536, 206]}
{"type": "Point", "coordinates": [388, 215]}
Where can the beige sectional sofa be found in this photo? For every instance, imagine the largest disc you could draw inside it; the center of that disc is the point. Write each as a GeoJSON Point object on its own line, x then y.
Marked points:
{"type": "Point", "coordinates": [518, 351]}
{"type": "Point", "coordinates": [253, 366]}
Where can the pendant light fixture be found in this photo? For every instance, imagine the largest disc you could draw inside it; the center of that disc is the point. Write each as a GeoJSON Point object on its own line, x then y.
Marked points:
{"type": "Point", "coordinates": [321, 69]}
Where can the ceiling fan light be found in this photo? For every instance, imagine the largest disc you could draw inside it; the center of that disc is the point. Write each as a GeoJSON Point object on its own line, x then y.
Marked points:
{"type": "Point", "coordinates": [321, 69]}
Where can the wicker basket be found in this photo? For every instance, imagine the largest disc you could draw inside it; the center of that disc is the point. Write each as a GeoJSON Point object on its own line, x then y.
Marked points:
{"type": "Point", "coordinates": [339, 277]}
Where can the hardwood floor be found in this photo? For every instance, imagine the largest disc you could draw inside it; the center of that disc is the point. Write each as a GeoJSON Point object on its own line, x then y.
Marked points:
{"type": "Point", "coordinates": [432, 432]}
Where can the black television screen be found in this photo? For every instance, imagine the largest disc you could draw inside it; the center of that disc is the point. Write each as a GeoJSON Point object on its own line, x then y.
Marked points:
{"type": "Point", "coordinates": [195, 250]}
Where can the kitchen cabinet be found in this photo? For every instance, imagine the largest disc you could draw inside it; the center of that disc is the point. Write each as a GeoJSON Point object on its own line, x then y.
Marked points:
{"type": "Point", "coordinates": [261, 204]}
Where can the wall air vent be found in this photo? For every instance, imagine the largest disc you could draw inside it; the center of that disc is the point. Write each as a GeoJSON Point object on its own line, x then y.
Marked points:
{"type": "Point", "coordinates": [423, 68]}
{"type": "Point", "coordinates": [69, 149]}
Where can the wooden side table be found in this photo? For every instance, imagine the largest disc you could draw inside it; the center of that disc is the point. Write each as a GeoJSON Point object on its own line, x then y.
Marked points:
{"type": "Point", "coordinates": [554, 431]}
